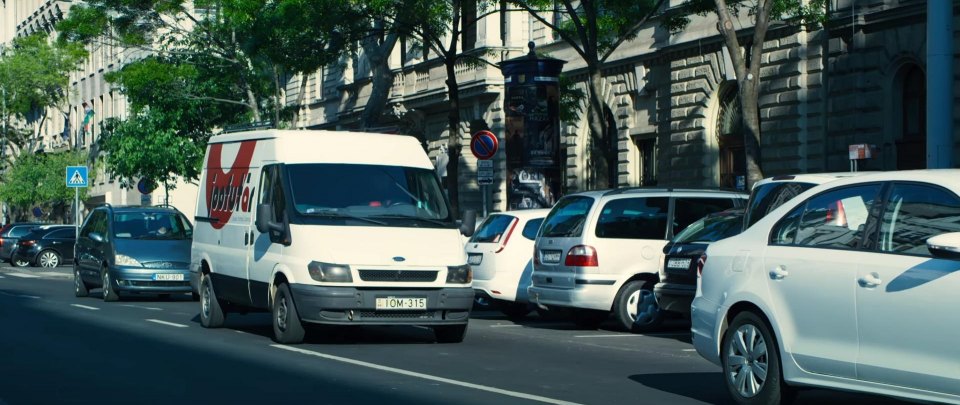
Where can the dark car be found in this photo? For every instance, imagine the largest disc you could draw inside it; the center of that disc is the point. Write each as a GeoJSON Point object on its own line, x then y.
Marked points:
{"type": "Point", "coordinates": [9, 235]}
{"type": "Point", "coordinates": [133, 250]}
{"type": "Point", "coordinates": [45, 246]}
{"type": "Point", "coordinates": [678, 277]}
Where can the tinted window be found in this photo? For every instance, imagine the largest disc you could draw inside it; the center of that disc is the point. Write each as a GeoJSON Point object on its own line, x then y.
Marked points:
{"type": "Point", "coordinates": [770, 196]}
{"type": "Point", "coordinates": [66, 233]}
{"type": "Point", "coordinates": [93, 223]}
{"type": "Point", "coordinates": [21, 230]}
{"type": "Point", "coordinates": [711, 228]}
{"type": "Point", "coordinates": [531, 228]}
{"type": "Point", "coordinates": [492, 229]}
{"type": "Point", "coordinates": [150, 225]}
{"type": "Point", "coordinates": [834, 219]}
{"type": "Point", "coordinates": [915, 213]}
{"type": "Point", "coordinates": [687, 210]}
{"type": "Point", "coordinates": [634, 218]}
{"type": "Point", "coordinates": [567, 217]}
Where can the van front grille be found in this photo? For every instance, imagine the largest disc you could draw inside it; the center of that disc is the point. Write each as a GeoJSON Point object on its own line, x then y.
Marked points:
{"type": "Point", "coordinates": [398, 314]}
{"type": "Point", "coordinates": [409, 276]}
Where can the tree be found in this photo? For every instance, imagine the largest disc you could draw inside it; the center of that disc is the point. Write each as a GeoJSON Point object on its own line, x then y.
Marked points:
{"type": "Point", "coordinates": [39, 180]}
{"type": "Point", "coordinates": [595, 29]}
{"type": "Point", "coordinates": [746, 53]}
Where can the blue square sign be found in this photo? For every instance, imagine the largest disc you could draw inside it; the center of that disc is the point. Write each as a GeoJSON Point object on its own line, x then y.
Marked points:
{"type": "Point", "coordinates": [77, 176]}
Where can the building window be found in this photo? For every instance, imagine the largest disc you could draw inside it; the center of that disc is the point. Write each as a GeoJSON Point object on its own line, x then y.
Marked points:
{"type": "Point", "coordinates": [912, 144]}
{"type": "Point", "coordinates": [733, 161]}
{"type": "Point", "coordinates": [468, 18]}
{"type": "Point", "coordinates": [647, 161]}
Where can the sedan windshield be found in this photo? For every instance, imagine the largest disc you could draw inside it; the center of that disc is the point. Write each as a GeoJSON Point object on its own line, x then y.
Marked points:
{"type": "Point", "coordinates": [151, 225]}
{"type": "Point", "coordinates": [367, 191]}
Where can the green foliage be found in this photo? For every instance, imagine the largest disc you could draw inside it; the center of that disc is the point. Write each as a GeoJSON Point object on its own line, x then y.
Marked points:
{"type": "Point", "coordinates": [39, 179]}
{"type": "Point", "coordinates": [35, 73]}
{"type": "Point", "coordinates": [571, 99]}
{"type": "Point", "coordinates": [147, 146]}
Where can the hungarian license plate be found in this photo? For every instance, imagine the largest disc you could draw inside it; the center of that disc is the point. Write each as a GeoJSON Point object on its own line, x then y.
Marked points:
{"type": "Point", "coordinates": [168, 277]}
{"type": "Point", "coordinates": [474, 259]}
{"type": "Point", "coordinates": [388, 303]}
{"type": "Point", "coordinates": [550, 256]}
{"type": "Point", "coordinates": [680, 264]}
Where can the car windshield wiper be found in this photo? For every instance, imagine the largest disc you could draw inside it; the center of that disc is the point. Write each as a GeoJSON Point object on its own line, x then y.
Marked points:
{"type": "Point", "coordinates": [432, 221]}
{"type": "Point", "coordinates": [337, 214]}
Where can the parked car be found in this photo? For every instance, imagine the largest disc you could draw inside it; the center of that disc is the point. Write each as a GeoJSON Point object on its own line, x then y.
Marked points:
{"type": "Point", "coordinates": [599, 251]}
{"type": "Point", "coordinates": [9, 235]}
{"type": "Point", "coordinates": [850, 285]}
{"type": "Point", "coordinates": [501, 255]}
{"type": "Point", "coordinates": [133, 250]}
{"type": "Point", "coordinates": [678, 274]}
{"type": "Point", "coordinates": [46, 246]}
{"type": "Point", "coordinates": [772, 192]}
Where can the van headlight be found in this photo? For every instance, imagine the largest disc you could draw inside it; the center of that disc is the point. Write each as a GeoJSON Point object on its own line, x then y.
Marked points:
{"type": "Point", "coordinates": [124, 260]}
{"type": "Point", "coordinates": [330, 273]}
{"type": "Point", "coordinates": [459, 274]}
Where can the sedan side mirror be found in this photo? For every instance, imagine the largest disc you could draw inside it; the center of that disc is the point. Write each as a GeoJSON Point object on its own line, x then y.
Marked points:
{"type": "Point", "coordinates": [945, 246]}
{"type": "Point", "coordinates": [469, 223]}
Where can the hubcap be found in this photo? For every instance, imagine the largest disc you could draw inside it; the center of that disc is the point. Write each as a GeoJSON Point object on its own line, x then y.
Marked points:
{"type": "Point", "coordinates": [49, 259]}
{"type": "Point", "coordinates": [106, 283]}
{"type": "Point", "coordinates": [632, 304]}
{"type": "Point", "coordinates": [205, 299]}
{"type": "Point", "coordinates": [747, 361]}
{"type": "Point", "coordinates": [76, 280]}
{"type": "Point", "coordinates": [282, 314]}
{"type": "Point", "coordinates": [646, 309]}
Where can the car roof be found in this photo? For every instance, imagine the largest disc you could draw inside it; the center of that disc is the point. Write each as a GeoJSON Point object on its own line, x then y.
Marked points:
{"type": "Point", "coordinates": [949, 178]}
{"type": "Point", "coordinates": [139, 208]}
{"type": "Point", "coordinates": [526, 214]}
{"type": "Point", "coordinates": [812, 178]}
{"type": "Point", "coordinates": [659, 190]}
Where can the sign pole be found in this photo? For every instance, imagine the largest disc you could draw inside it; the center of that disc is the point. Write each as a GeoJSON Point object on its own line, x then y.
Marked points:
{"type": "Point", "coordinates": [76, 211]}
{"type": "Point", "coordinates": [483, 191]}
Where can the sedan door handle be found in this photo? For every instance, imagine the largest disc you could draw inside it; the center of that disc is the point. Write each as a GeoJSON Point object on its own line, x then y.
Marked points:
{"type": "Point", "coordinates": [870, 280]}
{"type": "Point", "coordinates": [778, 273]}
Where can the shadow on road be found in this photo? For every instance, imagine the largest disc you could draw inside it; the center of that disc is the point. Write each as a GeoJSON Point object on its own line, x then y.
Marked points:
{"type": "Point", "coordinates": [704, 387]}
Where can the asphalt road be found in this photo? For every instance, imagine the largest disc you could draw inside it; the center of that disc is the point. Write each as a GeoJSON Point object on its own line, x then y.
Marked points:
{"type": "Point", "coordinates": [56, 348]}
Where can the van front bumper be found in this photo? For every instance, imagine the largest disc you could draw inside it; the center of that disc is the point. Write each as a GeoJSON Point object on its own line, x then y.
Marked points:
{"type": "Point", "coordinates": [353, 306]}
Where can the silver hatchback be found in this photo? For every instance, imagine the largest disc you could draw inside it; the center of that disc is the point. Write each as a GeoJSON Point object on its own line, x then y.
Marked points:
{"type": "Point", "coordinates": [600, 251]}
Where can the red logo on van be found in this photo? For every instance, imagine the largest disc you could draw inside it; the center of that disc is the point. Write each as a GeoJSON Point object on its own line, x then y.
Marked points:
{"type": "Point", "coordinates": [228, 192]}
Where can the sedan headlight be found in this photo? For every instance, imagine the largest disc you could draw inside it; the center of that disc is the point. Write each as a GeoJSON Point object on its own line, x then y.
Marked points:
{"type": "Point", "coordinates": [459, 274]}
{"type": "Point", "coordinates": [124, 260]}
{"type": "Point", "coordinates": [330, 273]}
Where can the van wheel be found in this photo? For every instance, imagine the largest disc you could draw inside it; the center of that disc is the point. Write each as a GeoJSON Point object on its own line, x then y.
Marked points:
{"type": "Point", "coordinates": [589, 318]}
{"type": "Point", "coordinates": [450, 333]}
{"type": "Point", "coordinates": [751, 363]}
{"type": "Point", "coordinates": [79, 286]}
{"type": "Point", "coordinates": [287, 328]}
{"type": "Point", "coordinates": [109, 293]}
{"type": "Point", "coordinates": [627, 307]}
{"type": "Point", "coordinates": [211, 314]}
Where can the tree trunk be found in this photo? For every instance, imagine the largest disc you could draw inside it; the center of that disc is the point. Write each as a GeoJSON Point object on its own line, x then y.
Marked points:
{"type": "Point", "coordinates": [599, 138]}
{"type": "Point", "coordinates": [381, 78]}
{"type": "Point", "coordinates": [454, 142]}
{"type": "Point", "coordinates": [278, 97]}
{"type": "Point", "coordinates": [253, 105]}
{"type": "Point", "coordinates": [749, 105]}
{"type": "Point", "coordinates": [301, 96]}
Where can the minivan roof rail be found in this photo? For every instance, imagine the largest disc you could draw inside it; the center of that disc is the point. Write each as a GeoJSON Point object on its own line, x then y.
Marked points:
{"type": "Point", "coordinates": [626, 190]}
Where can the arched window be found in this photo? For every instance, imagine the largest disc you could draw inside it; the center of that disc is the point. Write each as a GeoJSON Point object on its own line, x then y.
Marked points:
{"type": "Point", "coordinates": [733, 162]}
{"type": "Point", "coordinates": [912, 142]}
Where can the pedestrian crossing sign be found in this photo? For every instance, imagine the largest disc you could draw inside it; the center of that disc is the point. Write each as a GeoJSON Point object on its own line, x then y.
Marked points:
{"type": "Point", "coordinates": [77, 176]}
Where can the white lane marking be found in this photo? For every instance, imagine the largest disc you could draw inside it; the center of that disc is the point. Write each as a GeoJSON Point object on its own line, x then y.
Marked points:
{"type": "Point", "coordinates": [2, 277]}
{"type": "Point", "coordinates": [425, 376]}
{"type": "Point", "coordinates": [667, 334]}
{"type": "Point", "coordinates": [241, 332]}
{"type": "Point", "coordinates": [85, 307]}
{"type": "Point", "coordinates": [167, 323]}
{"type": "Point", "coordinates": [24, 275]}
{"type": "Point", "coordinates": [689, 350]}
{"type": "Point", "coordinates": [20, 295]}
{"type": "Point", "coordinates": [507, 325]}
{"type": "Point", "coordinates": [606, 336]}
{"type": "Point", "coordinates": [142, 307]}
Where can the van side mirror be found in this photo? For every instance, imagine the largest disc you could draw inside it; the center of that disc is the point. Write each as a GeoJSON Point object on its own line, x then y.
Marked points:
{"type": "Point", "coordinates": [945, 246]}
{"type": "Point", "coordinates": [469, 223]}
{"type": "Point", "coordinates": [96, 236]}
{"type": "Point", "coordinates": [264, 219]}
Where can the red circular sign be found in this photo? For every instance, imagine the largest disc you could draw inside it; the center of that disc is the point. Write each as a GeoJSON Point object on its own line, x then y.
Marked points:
{"type": "Point", "coordinates": [484, 144]}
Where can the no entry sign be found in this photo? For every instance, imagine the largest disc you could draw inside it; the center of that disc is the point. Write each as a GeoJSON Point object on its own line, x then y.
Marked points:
{"type": "Point", "coordinates": [484, 145]}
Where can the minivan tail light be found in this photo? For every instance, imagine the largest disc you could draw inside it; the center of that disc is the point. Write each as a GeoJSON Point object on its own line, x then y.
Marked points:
{"type": "Point", "coordinates": [536, 257]}
{"type": "Point", "coordinates": [700, 262]}
{"type": "Point", "coordinates": [582, 256]}
{"type": "Point", "coordinates": [506, 238]}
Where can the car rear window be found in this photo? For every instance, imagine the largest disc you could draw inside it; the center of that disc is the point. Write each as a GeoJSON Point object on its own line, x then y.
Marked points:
{"type": "Point", "coordinates": [634, 218]}
{"type": "Point", "coordinates": [492, 229]}
{"type": "Point", "coordinates": [19, 231]}
{"type": "Point", "coordinates": [567, 218]}
{"type": "Point", "coordinates": [768, 197]}
{"type": "Point", "coordinates": [711, 228]}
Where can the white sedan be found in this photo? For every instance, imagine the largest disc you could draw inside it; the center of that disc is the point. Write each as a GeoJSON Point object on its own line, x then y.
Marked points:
{"type": "Point", "coordinates": [852, 285]}
{"type": "Point", "coordinates": [500, 253]}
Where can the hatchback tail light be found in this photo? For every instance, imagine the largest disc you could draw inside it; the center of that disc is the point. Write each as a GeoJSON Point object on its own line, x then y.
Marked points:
{"type": "Point", "coordinates": [582, 256]}
{"type": "Point", "coordinates": [506, 238]}
{"type": "Point", "coordinates": [700, 262]}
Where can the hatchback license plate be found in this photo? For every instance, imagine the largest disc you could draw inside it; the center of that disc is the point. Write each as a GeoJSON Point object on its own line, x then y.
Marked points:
{"type": "Point", "coordinates": [678, 264]}
{"type": "Point", "coordinates": [474, 259]}
{"type": "Point", "coordinates": [551, 256]}
{"type": "Point", "coordinates": [168, 277]}
{"type": "Point", "coordinates": [401, 303]}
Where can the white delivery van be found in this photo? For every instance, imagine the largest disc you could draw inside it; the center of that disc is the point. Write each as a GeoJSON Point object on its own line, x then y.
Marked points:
{"type": "Point", "coordinates": [323, 227]}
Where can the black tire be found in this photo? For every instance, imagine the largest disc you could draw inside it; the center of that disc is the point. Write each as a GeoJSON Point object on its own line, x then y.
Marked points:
{"type": "Point", "coordinates": [589, 318]}
{"type": "Point", "coordinates": [772, 389]}
{"type": "Point", "coordinates": [80, 288]}
{"type": "Point", "coordinates": [19, 262]}
{"type": "Point", "coordinates": [109, 292]}
{"type": "Point", "coordinates": [287, 328]}
{"type": "Point", "coordinates": [649, 317]}
{"type": "Point", "coordinates": [625, 305]}
{"type": "Point", "coordinates": [515, 310]}
{"type": "Point", "coordinates": [48, 259]}
{"type": "Point", "coordinates": [195, 296]}
{"type": "Point", "coordinates": [211, 313]}
{"type": "Point", "coordinates": [450, 333]}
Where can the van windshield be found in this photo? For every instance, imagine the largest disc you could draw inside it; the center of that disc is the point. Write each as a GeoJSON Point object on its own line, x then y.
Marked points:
{"type": "Point", "coordinates": [384, 193]}
{"type": "Point", "coordinates": [151, 225]}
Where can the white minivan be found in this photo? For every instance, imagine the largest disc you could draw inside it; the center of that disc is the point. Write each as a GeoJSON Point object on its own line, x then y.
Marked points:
{"type": "Point", "coordinates": [323, 227]}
